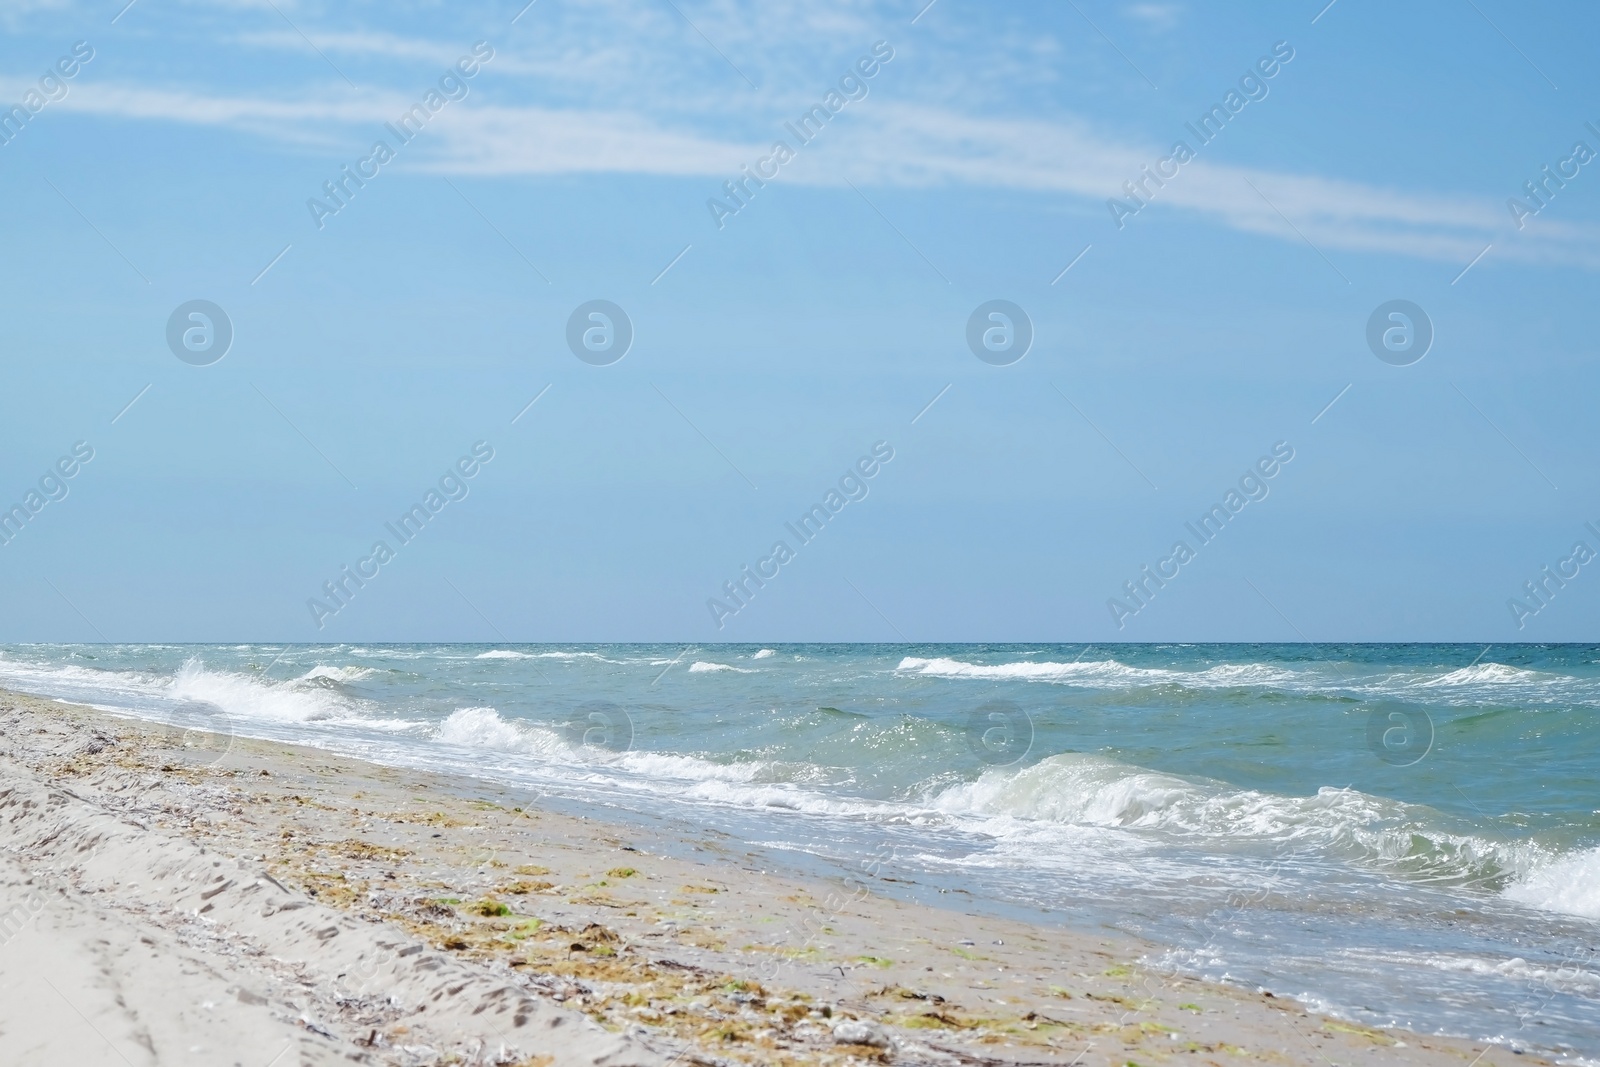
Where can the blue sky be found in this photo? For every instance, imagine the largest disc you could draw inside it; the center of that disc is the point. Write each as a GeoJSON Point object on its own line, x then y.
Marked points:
{"type": "Point", "coordinates": [370, 354]}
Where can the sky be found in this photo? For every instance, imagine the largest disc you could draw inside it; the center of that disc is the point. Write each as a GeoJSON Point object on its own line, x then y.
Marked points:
{"type": "Point", "coordinates": [1198, 218]}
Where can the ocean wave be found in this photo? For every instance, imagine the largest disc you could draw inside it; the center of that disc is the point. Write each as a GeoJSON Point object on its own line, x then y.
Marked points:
{"type": "Point", "coordinates": [1100, 672]}
{"type": "Point", "coordinates": [669, 765]}
{"type": "Point", "coordinates": [22, 672]}
{"type": "Point", "coordinates": [1408, 840]}
{"type": "Point", "coordinates": [1569, 884]}
{"type": "Point", "coordinates": [1469, 685]}
{"type": "Point", "coordinates": [1231, 674]}
{"type": "Point", "coordinates": [315, 696]}
{"type": "Point", "coordinates": [943, 667]}
{"type": "Point", "coordinates": [484, 728]}
{"type": "Point", "coordinates": [744, 785]}
{"type": "Point", "coordinates": [1493, 684]}
{"type": "Point", "coordinates": [336, 674]}
{"type": "Point", "coordinates": [1487, 674]}
{"type": "Point", "coordinates": [782, 797]}
{"type": "Point", "coordinates": [700, 667]}
{"type": "Point", "coordinates": [247, 698]}
{"type": "Point", "coordinates": [764, 653]}
{"type": "Point", "coordinates": [506, 653]}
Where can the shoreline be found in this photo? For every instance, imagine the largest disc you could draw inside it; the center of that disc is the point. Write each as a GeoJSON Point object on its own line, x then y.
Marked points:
{"type": "Point", "coordinates": [472, 927]}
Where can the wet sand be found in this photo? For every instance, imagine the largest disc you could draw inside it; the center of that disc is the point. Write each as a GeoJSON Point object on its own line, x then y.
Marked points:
{"type": "Point", "coordinates": [184, 898]}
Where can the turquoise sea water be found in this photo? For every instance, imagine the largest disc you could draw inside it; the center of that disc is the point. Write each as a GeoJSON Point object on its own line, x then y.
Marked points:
{"type": "Point", "coordinates": [1400, 834]}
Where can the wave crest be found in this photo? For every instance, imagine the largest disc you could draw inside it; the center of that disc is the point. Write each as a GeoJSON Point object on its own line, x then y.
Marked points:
{"type": "Point", "coordinates": [510, 653]}
{"type": "Point", "coordinates": [484, 728]}
{"type": "Point", "coordinates": [1405, 839]}
{"type": "Point", "coordinates": [1569, 884]}
{"type": "Point", "coordinates": [340, 675]}
{"type": "Point", "coordinates": [1100, 672]}
{"type": "Point", "coordinates": [1486, 673]}
{"type": "Point", "coordinates": [699, 667]}
{"type": "Point", "coordinates": [249, 698]}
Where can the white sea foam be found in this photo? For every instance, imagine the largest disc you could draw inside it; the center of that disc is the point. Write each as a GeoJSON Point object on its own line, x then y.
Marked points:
{"type": "Point", "coordinates": [1574, 975]}
{"type": "Point", "coordinates": [1073, 789]}
{"type": "Point", "coordinates": [1487, 674]}
{"type": "Point", "coordinates": [1107, 672]}
{"type": "Point", "coordinates": [1569, 884]}
{"type": "Point", "coordinates": [1230, 674]}
{"type": "Point", "coordinates": [653, 774]}
{"type": "Point", "coordinates": [670, 766]}
{"type": "Point", "coordinates": [484, 728]}
{"type": "Point", "coordinates": [764, 653]}
{"type": "Point", "coordinates": [73, 677]}
{"type": "Point", "coordinates": [1342, 824]}
{"type": "Point", "coordinates": [507, 653]}
{"type": "Point", "coordinates": [943, 667]}
{"type": "Point", "coordinates": [336, 674]}
{"type": "Point", "coordinates": [782, 796]}
{"type": "Point", "coordinates": [246, 698]}
{"type": "Point", "coordinates": [699, 667]}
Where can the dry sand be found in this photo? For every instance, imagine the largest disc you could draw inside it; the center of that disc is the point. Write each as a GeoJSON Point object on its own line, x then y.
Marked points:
{"type": "Point", "coordinates": [181, 898]}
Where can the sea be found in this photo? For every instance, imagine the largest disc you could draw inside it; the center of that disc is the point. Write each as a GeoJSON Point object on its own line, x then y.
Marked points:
{"type": "Point", "coordinates": [1395, 834]}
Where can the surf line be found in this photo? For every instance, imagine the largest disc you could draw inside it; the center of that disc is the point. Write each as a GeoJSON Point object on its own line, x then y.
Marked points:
{"type": "Point", "coordinates": [1252, 486]}
{"type": "Point", "coordinates": [852, 486]}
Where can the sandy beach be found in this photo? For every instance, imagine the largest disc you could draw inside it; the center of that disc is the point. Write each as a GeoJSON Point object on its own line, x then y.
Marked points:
{"type": "Point", "coordinates": [172, 897]}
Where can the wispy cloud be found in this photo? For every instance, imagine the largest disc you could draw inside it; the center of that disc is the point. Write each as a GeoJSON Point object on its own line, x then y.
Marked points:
{"type": "Point", "coordinates": [361, 43]}
{"type": "Point", "coordinates": [889, 145]}
{"type": "Point", "coordinates": [1160, 17]}
{"type": "Point", "coordinates": [610, 86]}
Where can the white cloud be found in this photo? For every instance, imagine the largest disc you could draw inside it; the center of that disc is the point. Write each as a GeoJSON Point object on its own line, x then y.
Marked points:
{"type": "Point", "coordinates": [884, 144]}
{"type": "Point", "coordinates": [365, 43]}
{"type": "Point", "coordinates": [527, 140]}
{"type": "Point", "coordinates": [1161, 17]}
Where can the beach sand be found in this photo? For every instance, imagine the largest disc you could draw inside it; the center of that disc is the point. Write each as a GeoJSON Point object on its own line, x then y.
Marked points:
{"type": "Point", "coordinates": [171, 897]}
